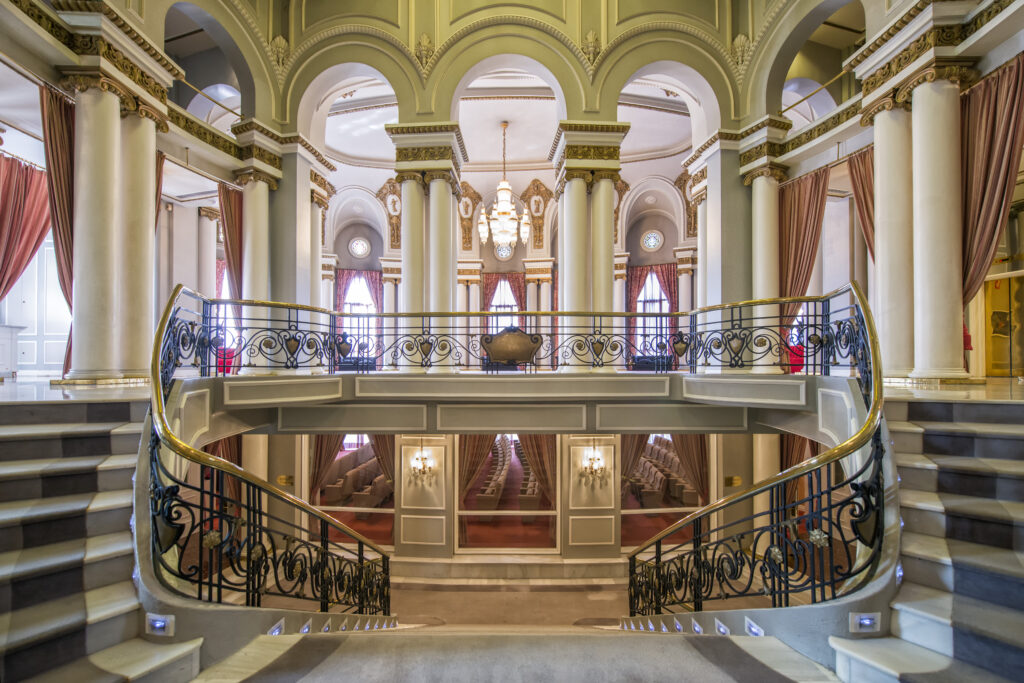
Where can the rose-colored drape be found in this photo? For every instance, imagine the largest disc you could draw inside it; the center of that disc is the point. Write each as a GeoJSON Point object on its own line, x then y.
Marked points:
{"type": "Point", "coordinates": [384, 451]}
{"type": "Point", "coordinates": [229, 448]}
{"type": "Point", "coordinates": [231, 225]}
{"type": "Point", "coordinates": [541, 451]}
{"type": "Point", "coordinates": [325, 450]}
{"type": "Point", "coordinates": [801, 210]}
{"type": "Point", "coordinates": [375, 283]}
{"type": "Point", "coordinates": [490, 285]}
{"type": "Point", "coordinates": [24, 218]}
{"type": "Point", "coordinates": [862, 178]}
{"type": "Point", "coordinates": [473, 450]}
{"type": "Point", "coordinates": [692, 450]}
{"type": "Point", "coordinates": [58, 119]}
{"type": "Point", "coordinates": [793, 450]}
{"type": "Point", "coordinates": [343, 277]}
{"type": "Point", "coordinates": [221, 270]}
{"type": "Point", "coordinates": [160, 159]}
{"type": "Point", "coordinates": [632, 449]}
{"type": "Point", "coordinates": [635, 278]}
{"type": "Point", "coordinates": [991, 137]}
{"type": "Point", "coordinates": [668, 278]}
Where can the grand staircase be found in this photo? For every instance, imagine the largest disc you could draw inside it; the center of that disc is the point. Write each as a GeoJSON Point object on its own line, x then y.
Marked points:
{"type": "Point", "coordinates": [69, 610]}
{"type": "Point", "coordinates": [959, 613]}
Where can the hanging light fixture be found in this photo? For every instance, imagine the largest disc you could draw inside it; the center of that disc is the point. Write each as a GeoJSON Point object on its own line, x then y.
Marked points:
{"type": "Point", "coordinates": [503, 225]}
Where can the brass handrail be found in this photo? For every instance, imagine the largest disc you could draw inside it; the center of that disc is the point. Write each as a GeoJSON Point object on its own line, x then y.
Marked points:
{"type": "Point", "coordinates": [858, 440]}
{"type": "Point", "coordinates": [169, 439]}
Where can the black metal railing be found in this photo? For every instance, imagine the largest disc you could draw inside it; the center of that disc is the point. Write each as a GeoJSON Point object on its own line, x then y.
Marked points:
{"type": "Point", "coordinates": [819, 534]}
{"type": "Point", "coordinates": [221, 534]}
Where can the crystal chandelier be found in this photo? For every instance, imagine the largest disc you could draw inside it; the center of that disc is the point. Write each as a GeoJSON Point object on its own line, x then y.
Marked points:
{"type": "Point", "coordinates": [503, 224]}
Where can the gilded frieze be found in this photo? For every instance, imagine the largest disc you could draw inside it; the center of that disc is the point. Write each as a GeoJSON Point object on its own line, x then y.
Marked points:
{"type": "Point", "coordinates": [260, 154]}
{"type": "Point", "coordinates": [761, 151]}
{"type": "Point", "coordinates": [432, 153]}
{"type": "Point", "coordinates": [322, 183]}
{"type": "Point", "coordinates": [829, 124]}
{"type": "Point", "coordinates": [940, 36]}
{"type": "Point", "coordinates": [203, 133]}
{"type": "Point", "coordinates": [96, 46]}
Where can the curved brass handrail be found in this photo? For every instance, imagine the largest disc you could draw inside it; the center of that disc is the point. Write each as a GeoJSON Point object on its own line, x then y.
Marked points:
{"type": "Point", "coordinates": [169, 439]}
{"type": "Point", "coordinates": [855, 442]}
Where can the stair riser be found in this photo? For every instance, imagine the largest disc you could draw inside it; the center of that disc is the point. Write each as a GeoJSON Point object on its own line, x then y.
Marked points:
{"type": "Point", "coordinates": [66, 484]}
{"type": "Point", "coordinates": [981, 485]}
{"type": "Point", "coordinates": [1001, 413]}
{"type": "Point", "coordinates": [963, 580]}
{"type": "Point", "coordinates": [918, 479]}
{"type": "Point", "coordinates": [923, 631]}
{"type": "Point", "coordinates": [978, 446]}
{"type": "Point", "coordinates": [999, 657]}
{"type": "Point", "coordinates": [69, 447]}
{"type": "Point", "coordinates": [69, 646]}
{"type": "Point", "coordinates": [851, 670]}
{"type": "Point", "coordinates": [66, 528]}
{"type": "Point", "coordinates": [932, 574]}
{"type": "Point", "coordinates": [50, 413]}
{"type": "Point", "coordinates": [64, 581]}
{"type": "Point", "coordinates": [952, 525]}
{"type": "Point", "coordinates": [906, 442]}
{"type": "Point", "coordinates": [180, 670]}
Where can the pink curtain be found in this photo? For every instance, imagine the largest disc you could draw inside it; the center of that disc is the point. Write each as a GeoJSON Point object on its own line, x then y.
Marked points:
{"type": "Point", "coordinates": [58, 119]}
{"type": "Point", "coordinates": [490, 285]}
{"type": "Point", "coordinates": [692, 450]}
{"type": "Point", "coordinates": [635, 278]}
{"type": "Point", "coordinates": [541, 451]}
{"type": "Point", "coordinates": [517, 283]}
{"type": "Point", "coordinates": [668, 278]}
{"type": "Point", "coordinates": [325, 450]}
{"type": "Point", "coordinates": [24, 218]}
{"type": "Point", "coordinates": [160, 159]}
{"type": "Point", "coordinates": [473, 450]}
{"type": "Point", "coordinates": [862, 178]}
{"type": "Point", "coordinates": [343, 277]}
{"type": "Point", "coordinates": [801, 210]}
{"type": "Point", "coordinates": [991, 137]}
{"type": "Point", "coordinates": [229, 448]}
{"type": "Point", "coordinates": [632, 449]}
{"type": "Point", "coordinates": [384, 451]}
{"type": "Point", "coordinates": [375, 283]}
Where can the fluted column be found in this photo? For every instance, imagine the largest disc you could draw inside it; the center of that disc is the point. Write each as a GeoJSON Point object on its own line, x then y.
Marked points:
{"type": "Point", "coordinates": [765, 253]}
{"type": "Point", "coordinates": [938, 224]}
{"type": "Point", "coordinates": [96, 217]}
{"type": "Point", "coordinates": [137, 243]}
{"type": "Point", "coordinates": [206, 257]}
{"type": "Point", "coordinates": [894, 264]}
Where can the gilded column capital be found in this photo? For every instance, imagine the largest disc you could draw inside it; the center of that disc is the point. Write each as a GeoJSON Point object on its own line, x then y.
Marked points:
{"type": "Point", "coordinates": [700, 197]}
{"type": "Point", "coordinates": [248, 175]}
{"type": "Point", "coordinates": [776, 171]}
{"type": "Point", "coordinates": [445, 175]}
{"type": "Point", "coordinates": [209, 212]}
{"type": "Point", "coordinates": [318, 199]}
{"type": "Point", "coordinates": [607, 175]}
{"type": "Point", "coordinates": [409, 176]}
{"type": "Point", "coordinates": [867, 117]}
{"type": "Point", "coordinates": [147, 112]}
{"type": "Point", "coordinates": [960, 73]}
{"type": "Point", "coordinates": [321, 182]}
{"type": "Point", "coordinates": [80, 82]}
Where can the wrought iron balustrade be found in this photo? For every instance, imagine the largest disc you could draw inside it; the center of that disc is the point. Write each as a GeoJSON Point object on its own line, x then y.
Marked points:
{"type": "Point", "coordinates": [220, 534]}
{"type": "Point", "coordinates": [821, 533]}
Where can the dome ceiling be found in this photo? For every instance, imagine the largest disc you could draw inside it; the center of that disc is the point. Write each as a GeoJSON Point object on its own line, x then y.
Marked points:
{"type": "Point", "coordinates": [355, 127]}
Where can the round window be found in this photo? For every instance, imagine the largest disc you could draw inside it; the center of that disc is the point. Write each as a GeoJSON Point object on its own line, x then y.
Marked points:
{"type": "Point", "coordinates": [503, 251]}
{"type": "Point", "coordinates": [652, 240]}
{"type": "Point", "coordinates": [359, 247]}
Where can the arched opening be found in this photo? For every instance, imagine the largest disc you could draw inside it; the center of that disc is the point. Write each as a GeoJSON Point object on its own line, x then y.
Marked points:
{"type": "Point", "coordinates": [215, 105]}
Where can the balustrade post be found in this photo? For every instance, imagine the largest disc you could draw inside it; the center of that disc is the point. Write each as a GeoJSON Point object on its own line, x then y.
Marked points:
{"type": "Point", "coordinates": [324, 587]}
{"type": "Point", "coordinates": [694, 346]}
{"type": "Point", "coordinates": [361, 577]}
{"type": "Point", "coordinates": [633, 588]}
{"type": "Point", "coordinates": [205, 337]}
{"type": "Point", "coordinates": [659, 596]}
{"type": "Point", "coordinates": [250, 526]}
{"type": "Point", "coordinates": [697, 580]}
{"type": "Point", "coordinates": [385, 565]}
{"type": "Point", "coordinates": [827, 338]}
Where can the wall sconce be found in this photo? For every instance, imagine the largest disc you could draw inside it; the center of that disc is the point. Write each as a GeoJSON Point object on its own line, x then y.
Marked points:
{"type": "Point", "coordinates": [592, 467]}
{"type": "Point", "coordinates": [422, 466]}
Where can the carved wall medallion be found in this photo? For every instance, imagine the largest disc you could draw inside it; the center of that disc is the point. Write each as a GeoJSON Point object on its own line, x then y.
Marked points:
{"type": "Point", "coordinates": [468, 205]}
{"type": "Point", "coordinates": [536, 196]}
{"type": "Point", "coordinates": [390, 195]}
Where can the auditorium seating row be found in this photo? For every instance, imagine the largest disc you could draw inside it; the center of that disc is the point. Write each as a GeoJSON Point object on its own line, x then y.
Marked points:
{"type": "Point", "coordinates": [501, 458]}
{"type": "Point", "coordinates": [659, 476]}
{"type": "Point", "coordinates": [359, 481]}
{"type": "Point", "coordinates": [529, 491]}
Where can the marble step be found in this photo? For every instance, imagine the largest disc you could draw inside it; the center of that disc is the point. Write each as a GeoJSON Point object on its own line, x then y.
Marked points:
{"type": "Point", "coordinates": [68, 440]}
{"type": "Point", "coordinates": [48, 477]}
{"type": "Point", "coordinates": [978, 571]}
{"type": "Point", "coordinates": [41, 521]}
{"type": "Point", "coordinates": [132, 660]}
{"type": "Point", "coordinates": [57, 632]}
{"type": "Point", "coordinates": [965, 411]}
{"type": "Point", "coordinates": [42, 412]}
{"type": "Point", "coordinates": [977, 439]}
{"type": "Point", "coordinates": [504, 567]}
{"type": "Point", "coordinates": [996, 478]}
{"type": "Point", "coordinates": [974, 631]}
{"type": "Point", "coordinates": [996, 523]}
{"type": "Point", "coordinates": [888, 660]}
{"type": "Point", "coordinates": [47, 572]}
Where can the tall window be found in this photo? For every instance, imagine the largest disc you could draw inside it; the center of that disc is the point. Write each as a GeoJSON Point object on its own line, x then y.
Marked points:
{"type": "Point", "coordinates": [650, 330]}
{"type": "Point", "coordinates": [358, 300]}
{"type": "Point", "coordinates": [501, 302]}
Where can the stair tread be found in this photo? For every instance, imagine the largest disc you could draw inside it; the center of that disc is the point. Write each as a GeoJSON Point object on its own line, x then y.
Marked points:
{"type": "Point", "coordinates": [897, 657]}
{"type": "Point", "coordinates": [970, 428]}
{"type": "Point", "coordinates": [962, 463]}
{"type": "Point", "coordinates": [16, 564]}
{"type": "Point", "coordinates": [36, 509]}
{"type": "Point", "coordinates": [47, 467]}
{"type": "Point", "coordinates": [39, 622]}
{"type": "Point", "coordinates": [62, 429]}
{"type": "Point", "coordinates": [129, 660]}
{"type": "Point", "coordinates": [951, 551]}
{"type": "Point", "coordinates": [1001, 623]}
{"type": "Point", "coordinates": [974, 507]}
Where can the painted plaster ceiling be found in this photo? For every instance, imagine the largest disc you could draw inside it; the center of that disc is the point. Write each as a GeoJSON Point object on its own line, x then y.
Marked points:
{"type": "Point", "coordinates": [183, 185]}
{"type": "Point", "coordinates": [356, 136]}
{"type": "Point", "coordinates": [843, 29]}
{"type": "Point", "coordinates": [19, 103]}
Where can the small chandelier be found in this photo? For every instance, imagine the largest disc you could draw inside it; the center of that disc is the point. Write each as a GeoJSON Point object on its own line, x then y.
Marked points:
{"type": "Point", "coordinates": [504, 225]}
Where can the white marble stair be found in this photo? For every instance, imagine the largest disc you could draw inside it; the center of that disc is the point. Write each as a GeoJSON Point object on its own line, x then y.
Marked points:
{"type": "Point", "coordinates": [132, 660]}
{"type": "Point", "coordinates": [883, 660]}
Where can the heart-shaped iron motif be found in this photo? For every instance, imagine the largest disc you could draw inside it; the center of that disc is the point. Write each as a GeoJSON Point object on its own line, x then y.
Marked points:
{"type": "Point", "coordinates": [292, 344]}
{"type": "Point", "coordinates": [680, 347]}
{"type": "Point", "coordinates": [344, 348]}
{"type": "Point", "coordinates": [735, 345]}
{"type": "Point", "coordinates": [425, 348]}
{"type": "Point", "coordinates": [597, 347]}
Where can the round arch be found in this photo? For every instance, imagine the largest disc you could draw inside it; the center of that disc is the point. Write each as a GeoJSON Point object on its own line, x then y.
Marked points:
{"type": "Point", "coordinates": [248, 60]}
{"type": "Point", "coordinates": [766, 74]}
{"type": "Point", "coordinates": [507, 45]}
{"type": "Point", "coordinates": [340, 216]}
{"type": "Point", "coordinates": [663, 187]}
{"type": "Point", "coordinates": [319, 70]}
{"type": "Point", "coordinates": [705, 82]}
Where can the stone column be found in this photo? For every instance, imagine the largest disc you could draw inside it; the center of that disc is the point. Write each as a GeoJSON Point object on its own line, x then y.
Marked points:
{"type": "Point", "coordinates": [207, 251]}
{"type": "Point", "coordinates": [894, 311]}
{"type": "Point", "coordinates": [412, 287]}
{"type": "Point", "coordinates": [137, 243]}
{"type": "Point", "coordinates": [574, 261]}
{"type": "Point", "coordinates": [619, 304]}
{"type": "Point", "coordinates": [441, 233]}
{"type": "Point", "coordinates": [391, 270]}
{"type": "Point", "coordinates": [97, 216]}
{"type": "Point", "coordinates": [317, 214]}
{"type": "Point", "coordinates": [938, 224]}
{"type": "Point", "coordinates": [256, 188]}
{"type": "Point", "coordinates": [328, 262]}
{"type": "Point", "coordinates": [767, 463]}
{"type": "Point", "coordinates": [602, 247]}
{"type": "Point", "coordinates": [702, 249]}
{"type": "Point", "coordinates": [765, 256]}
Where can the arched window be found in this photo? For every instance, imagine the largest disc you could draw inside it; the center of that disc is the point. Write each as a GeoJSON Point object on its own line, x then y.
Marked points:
{"type": "Point", "coordinates": [651, 299]}
{"type": "Point", "coordinates": [503, 301]}
{"type": "Point", "coordinates": [358, 300]}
